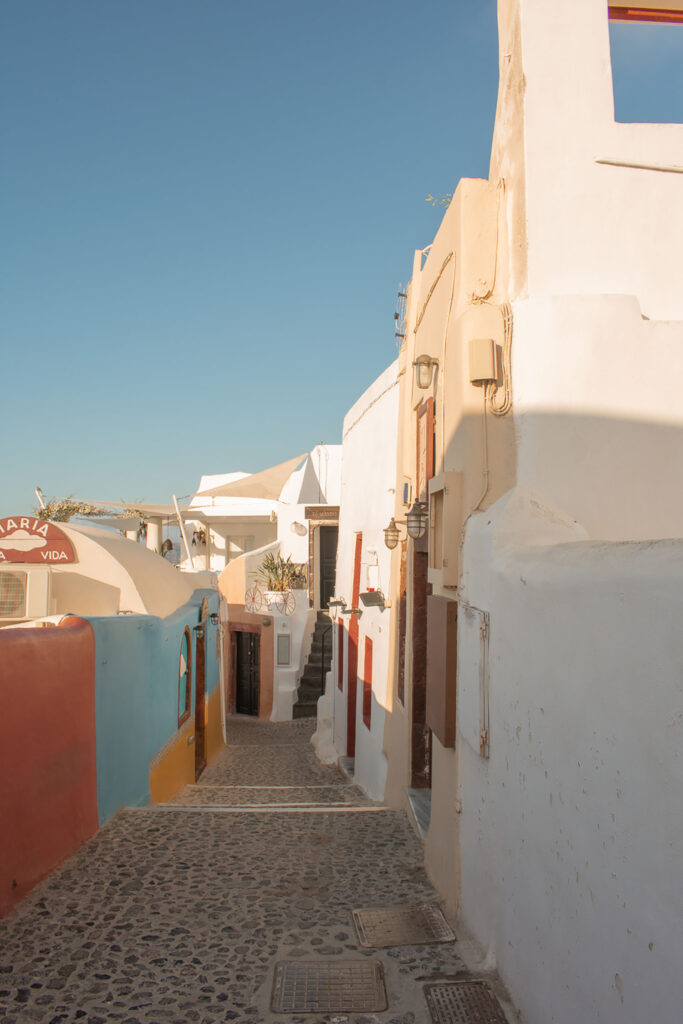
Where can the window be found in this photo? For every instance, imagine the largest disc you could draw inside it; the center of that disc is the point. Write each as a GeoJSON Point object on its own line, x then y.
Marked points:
{"type": "Point", "coordinates": [185, 678]}
{"type": "Point", "coordinates": [283, 647]}
{"type": "Point", "coordinates": [340, 655]}
{"type": "Point", "coordinates": [647, 67]}
{"type": "Point", "coordinates": [236, 546]}
{"type": "Point", "coordinates": [367, 682]}
{"type": "Point", "coordinates": [436, 530]}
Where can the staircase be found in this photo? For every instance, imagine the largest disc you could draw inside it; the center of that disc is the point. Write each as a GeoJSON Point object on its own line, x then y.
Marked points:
{"type": "Point", "coordinates": [312, 682]}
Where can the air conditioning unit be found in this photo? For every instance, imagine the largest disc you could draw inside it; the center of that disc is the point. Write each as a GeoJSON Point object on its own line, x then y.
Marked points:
{"type": "Point", "coordinates": [24, 594]}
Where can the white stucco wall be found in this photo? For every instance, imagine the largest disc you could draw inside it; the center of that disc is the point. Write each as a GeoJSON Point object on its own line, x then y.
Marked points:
{"type": "Point", "coordinates": [368, 472]}
{"type": "Point", "coordinates": [592, 227]}
{"type": "Point", "coordinates": [298, 627]}
{"type": "Point", "coordinates": [570, 834]}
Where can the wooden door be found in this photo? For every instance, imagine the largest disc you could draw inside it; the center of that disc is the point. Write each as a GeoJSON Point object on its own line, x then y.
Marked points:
{"type": "Point", "coordinates": [248, 649]}
{"type": "Point", "coordinates": [200, 706]}
{"type": "Point", "coordinates": [328, 562]}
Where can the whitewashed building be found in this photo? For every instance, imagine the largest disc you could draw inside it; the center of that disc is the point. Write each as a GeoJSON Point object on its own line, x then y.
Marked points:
{"type": "Point", "coordinates": [351, 715]}
{"type": "Point", "coordinates": [536, 697]}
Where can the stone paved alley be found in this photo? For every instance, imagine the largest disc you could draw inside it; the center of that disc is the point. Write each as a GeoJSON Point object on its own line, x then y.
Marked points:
{"type": "Point", "coordinates": [178, 913]}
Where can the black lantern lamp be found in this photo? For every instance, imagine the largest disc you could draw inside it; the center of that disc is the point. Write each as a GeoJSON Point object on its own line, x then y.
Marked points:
{"type": "Point", "coordinates": [215, 618]}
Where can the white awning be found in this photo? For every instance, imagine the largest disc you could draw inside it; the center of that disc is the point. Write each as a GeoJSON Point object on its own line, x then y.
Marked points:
{"type": "Point", "coordinates": [266, 484]}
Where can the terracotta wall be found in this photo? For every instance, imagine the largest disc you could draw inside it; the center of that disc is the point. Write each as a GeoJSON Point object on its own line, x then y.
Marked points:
{"type": "Point", "coordinates": [249, 622]}
{"type": "Point", "coordinates": [48, 795]}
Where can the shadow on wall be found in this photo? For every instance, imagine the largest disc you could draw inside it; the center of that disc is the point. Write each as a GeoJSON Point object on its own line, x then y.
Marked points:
{"type": "Point", "coordinates": [619, 479]}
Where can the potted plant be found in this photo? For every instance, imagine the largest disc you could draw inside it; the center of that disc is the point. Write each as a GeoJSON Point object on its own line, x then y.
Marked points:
{"type": "Point", "coordinates": [276, 573]}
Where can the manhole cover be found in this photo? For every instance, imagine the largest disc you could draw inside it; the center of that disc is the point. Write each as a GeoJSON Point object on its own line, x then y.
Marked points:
{"type": "Point", "coordinates": [401, 926]}
{"type": "Point", "coordinates": [306, 986]}
{"type": "Point", "coordinates": [463, 1002]}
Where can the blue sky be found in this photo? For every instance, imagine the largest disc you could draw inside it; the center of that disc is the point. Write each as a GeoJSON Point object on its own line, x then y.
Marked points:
{"type": "Point", "coordinates": [206, 211]}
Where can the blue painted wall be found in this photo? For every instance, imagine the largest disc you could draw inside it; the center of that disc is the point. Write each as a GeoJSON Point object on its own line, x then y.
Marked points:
{"type": "Point", "coordinates": [136, 695]}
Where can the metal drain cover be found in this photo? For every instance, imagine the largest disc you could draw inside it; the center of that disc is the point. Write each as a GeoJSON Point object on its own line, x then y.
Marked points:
{"type": "Point", "coordinates": [314, 986]}
{"type": "Point", "coordinates": [463, 1002]}
{"type": "Point", "coordinates": [401, 926]}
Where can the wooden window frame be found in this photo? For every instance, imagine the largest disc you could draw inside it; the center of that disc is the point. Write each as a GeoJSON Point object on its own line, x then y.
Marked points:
{"type": "Point", "coordinates": [367, 682]}
{"type": "Point", "coordinates": [425, 410]}
{"type": "Point", "coordinates": [340, 655]}
{"type": "Point", "coordinates": [635, 12]}
{"type": "Point", "coordinates": [184, 714]}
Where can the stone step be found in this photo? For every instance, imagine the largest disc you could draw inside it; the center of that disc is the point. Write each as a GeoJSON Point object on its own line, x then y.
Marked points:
{"type": "Point", "coordinates": [301, 710]}
{"type": "Point", "coordinates": [313, 679]}
{"type": "Point", "coordinates": [318, 657]}
{"type": "Point", "coordinates": [307, 692]}
{"type": "Point", "coordinates": [318, 645]}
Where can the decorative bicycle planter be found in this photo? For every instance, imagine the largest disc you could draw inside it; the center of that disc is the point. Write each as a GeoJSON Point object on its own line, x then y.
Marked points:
{"type": "Point", "coordinates": [272, 590]}
{"type": "Point", "coordinates": [257, 599]}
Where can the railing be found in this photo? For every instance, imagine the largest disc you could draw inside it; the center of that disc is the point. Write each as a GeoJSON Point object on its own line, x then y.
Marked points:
{"type": "Point", "coordinates": [322, 661]}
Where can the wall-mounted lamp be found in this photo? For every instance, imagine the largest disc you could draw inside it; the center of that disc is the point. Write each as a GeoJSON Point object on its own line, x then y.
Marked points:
{"type": "Point", "coordinates": [415, 524]}
{"type": "Point", "coordinates": [199, 631]}
{"type": "Point", "coordinates": [424, 371]}
{"type": "Point", "coordinates": [215, 618]}
{"type": "Point", "coordinates": [416, 520]}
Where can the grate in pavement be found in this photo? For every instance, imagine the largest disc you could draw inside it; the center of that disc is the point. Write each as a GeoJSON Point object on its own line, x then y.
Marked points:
{"type": "Point", "coordinates": [305, 986]}
{"type": "Point", "coordinates": [463, 1002]}
{"type": "Point", "coordinates": [401, 926]}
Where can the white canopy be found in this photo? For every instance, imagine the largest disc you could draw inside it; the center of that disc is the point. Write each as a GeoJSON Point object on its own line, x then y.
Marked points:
{"type": "Point", "coordinates": [266, 484]}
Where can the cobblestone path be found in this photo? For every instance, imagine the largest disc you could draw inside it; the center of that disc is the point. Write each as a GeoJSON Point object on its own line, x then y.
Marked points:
{"type": "Point", "coordinates": [178, 913]}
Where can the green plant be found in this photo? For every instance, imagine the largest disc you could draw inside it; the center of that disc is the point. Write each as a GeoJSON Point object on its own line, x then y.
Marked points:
{"type": "Point", "coordinates": [276, 572]}
{"type": "Point", "coordinates": [60, 510]}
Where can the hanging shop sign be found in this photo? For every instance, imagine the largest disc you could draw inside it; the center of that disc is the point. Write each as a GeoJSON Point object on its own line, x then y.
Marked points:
{"type": "Point", "coordinates": [322, 512]}
{"type": "Point", "coordinates": [25, 539]}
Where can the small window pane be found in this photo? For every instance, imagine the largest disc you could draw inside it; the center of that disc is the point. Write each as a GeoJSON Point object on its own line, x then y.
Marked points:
{"type": "Point", "coordinates": [283, 642]}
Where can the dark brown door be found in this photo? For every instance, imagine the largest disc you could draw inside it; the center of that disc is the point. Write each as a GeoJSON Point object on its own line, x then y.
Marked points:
{"type": "Point", "coordinates": [200, 708]}
{"type": "Point", "coordinates": [247, 673]}
{"type": "Point", "coordinates": [328, 562]}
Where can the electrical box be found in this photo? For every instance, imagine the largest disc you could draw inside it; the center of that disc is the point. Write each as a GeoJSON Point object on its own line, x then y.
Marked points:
{"type": "Point", "coordinates": [483, 360]}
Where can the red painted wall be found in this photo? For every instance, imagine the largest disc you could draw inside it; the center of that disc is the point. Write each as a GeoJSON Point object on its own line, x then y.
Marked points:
{"type": "Point", "coordinates": [367, 682]}
{"type": "Point", "coordinates": [340, 654]}
{"type": "Point", "coordinates": [352, 672]}
{"type": "Point", "coordinates": [48, 783]}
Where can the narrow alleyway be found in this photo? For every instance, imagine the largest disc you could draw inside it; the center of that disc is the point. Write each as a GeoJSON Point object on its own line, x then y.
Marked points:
{"type": "Point", "coordinates": [179, 913]}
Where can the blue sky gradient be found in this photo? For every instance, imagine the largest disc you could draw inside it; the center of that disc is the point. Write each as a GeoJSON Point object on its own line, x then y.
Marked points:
{"type": "Point", "coordinates": [206, 211]}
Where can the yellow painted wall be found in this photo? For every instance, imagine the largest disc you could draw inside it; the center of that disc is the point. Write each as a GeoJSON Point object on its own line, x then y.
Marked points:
{"type": "Point", "coordinates": [213, 739]}
{"type": "Point", "coordinates": [173, 767]}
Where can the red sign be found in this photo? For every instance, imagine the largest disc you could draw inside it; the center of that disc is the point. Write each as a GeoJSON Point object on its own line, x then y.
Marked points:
{"type": "Point", "coordinates": [25, 539]}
